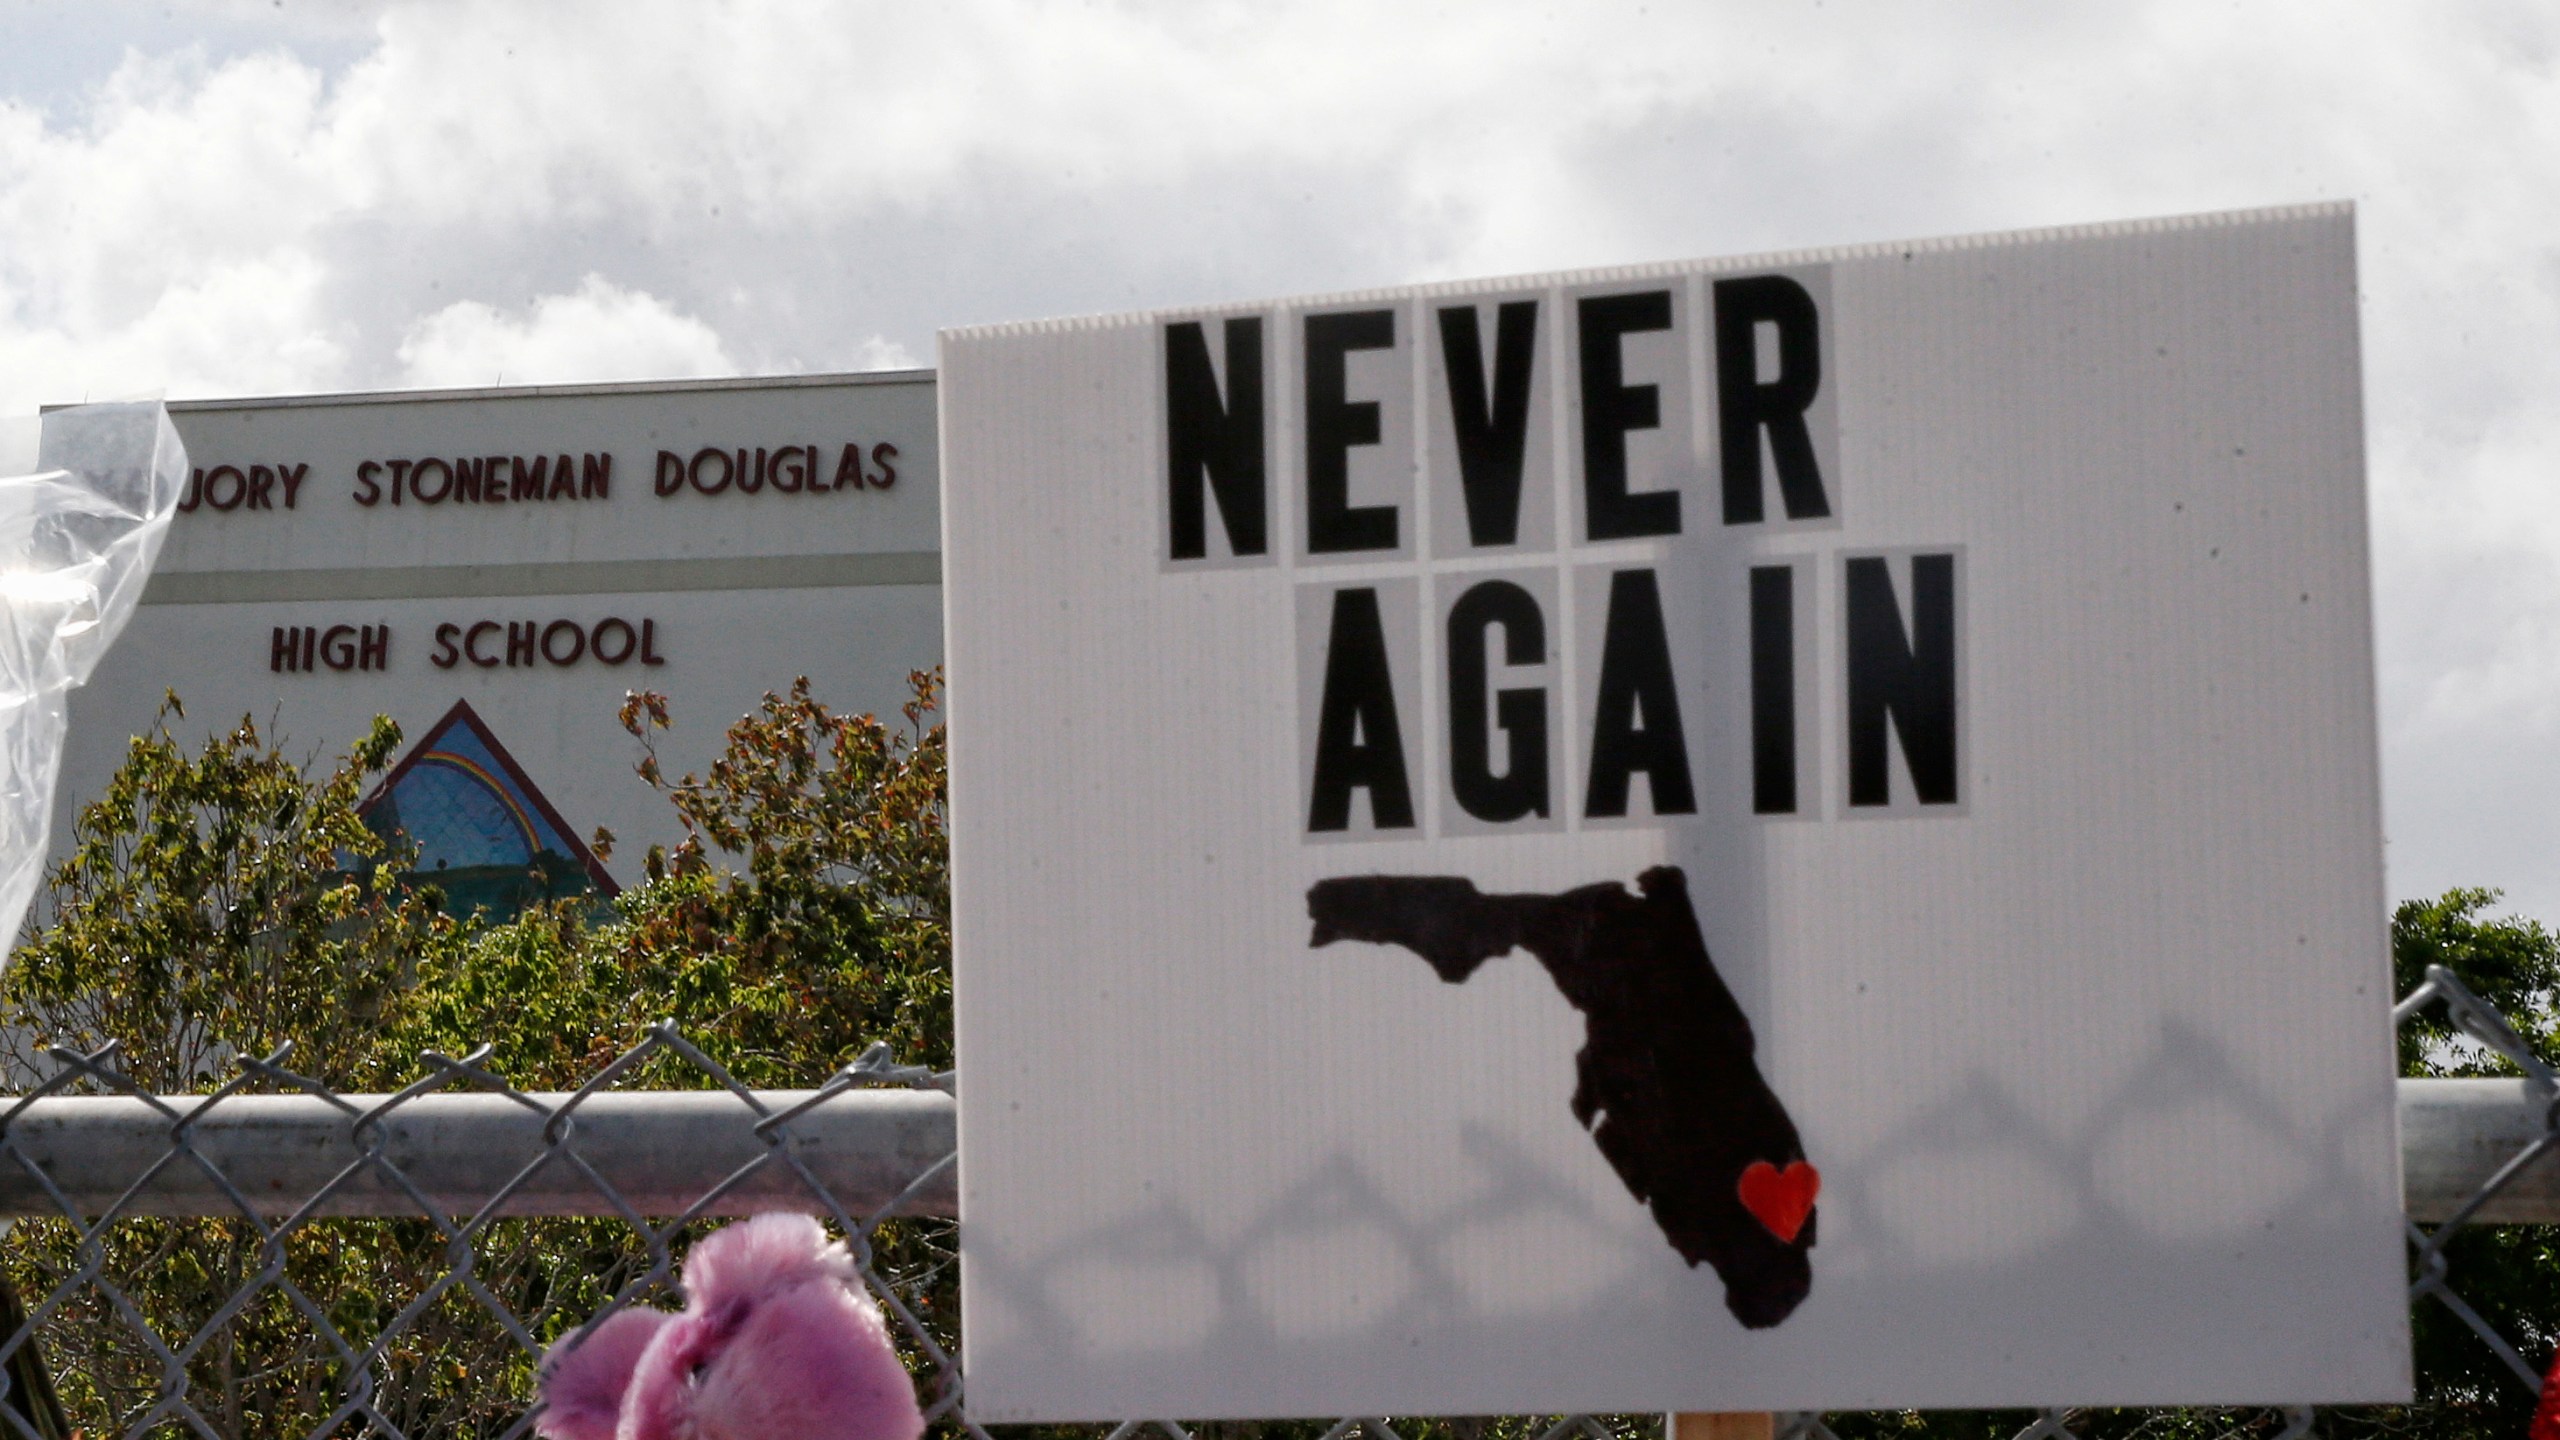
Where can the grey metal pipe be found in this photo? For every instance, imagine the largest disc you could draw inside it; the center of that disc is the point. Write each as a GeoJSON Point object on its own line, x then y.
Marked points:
{"type": "Point", "coordinates": [2456, 1134]}
{"type": "Point", "coordinates": [660, 1149]}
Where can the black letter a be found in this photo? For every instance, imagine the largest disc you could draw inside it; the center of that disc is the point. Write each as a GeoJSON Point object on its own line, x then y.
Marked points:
{"type": "Point", "coordinates": [1357, 740]}
{"type": "Point", "coordinates": [1635, 679]}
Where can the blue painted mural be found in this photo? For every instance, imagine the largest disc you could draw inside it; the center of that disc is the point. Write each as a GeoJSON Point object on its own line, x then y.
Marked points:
{"type": "Point", "coordinates": [484, 834]}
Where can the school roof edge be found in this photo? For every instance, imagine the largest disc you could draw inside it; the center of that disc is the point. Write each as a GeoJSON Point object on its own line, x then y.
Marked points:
{"type": "Point", "coordinates": [919, 375]}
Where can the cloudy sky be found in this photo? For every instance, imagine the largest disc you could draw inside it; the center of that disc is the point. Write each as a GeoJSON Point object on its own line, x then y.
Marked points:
{"type": "Point", "coordinates": [220, 197]}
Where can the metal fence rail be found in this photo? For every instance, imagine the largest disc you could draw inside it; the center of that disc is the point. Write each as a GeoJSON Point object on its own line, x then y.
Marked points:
{"type": "Point", "coordinates": [653, 1148]}
{"type": "Point", "coordinates": [462, 1154]}
{"type": "Point", "coordinates": [394, 1264]}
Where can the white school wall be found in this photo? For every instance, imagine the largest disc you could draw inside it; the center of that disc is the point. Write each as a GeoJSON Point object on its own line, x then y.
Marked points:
{"type": "Point", "coordinates": [741, 593]}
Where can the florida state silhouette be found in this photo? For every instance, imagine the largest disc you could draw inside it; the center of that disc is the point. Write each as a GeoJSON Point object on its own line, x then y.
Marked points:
{"type": "Point", "coordinates": [1666, 1080]}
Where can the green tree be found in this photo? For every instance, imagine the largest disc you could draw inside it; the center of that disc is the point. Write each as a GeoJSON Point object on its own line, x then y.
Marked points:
{"type": "Point", "coordinates": [803, 916]}
{"type": "Point", "coordinates": [221, 902]}
{"type": "Point", "coordinates": [215, 903]}
{"type": "Point", "coordinates": [2509, 1273]}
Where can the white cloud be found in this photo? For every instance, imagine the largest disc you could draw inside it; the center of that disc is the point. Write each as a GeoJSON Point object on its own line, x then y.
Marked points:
{"type": "Point", "coordinates": [249, 326]}
{"type": "Point", "coordinates": [597, 332]}
{"type": "Point", "coordinates": [879, 352]}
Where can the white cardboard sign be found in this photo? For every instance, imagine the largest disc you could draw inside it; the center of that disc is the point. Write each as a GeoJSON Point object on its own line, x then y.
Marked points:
{"type": "Point", "coordinates": [1786, 833]}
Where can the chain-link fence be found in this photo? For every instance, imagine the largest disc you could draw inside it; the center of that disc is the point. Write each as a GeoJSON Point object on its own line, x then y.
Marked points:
{"type": "Point", "coordinates": [279, 1259]}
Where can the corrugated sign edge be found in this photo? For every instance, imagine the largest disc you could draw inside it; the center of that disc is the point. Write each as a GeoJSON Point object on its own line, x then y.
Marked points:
{"type": "Point", "coordinates": [1611, 274]}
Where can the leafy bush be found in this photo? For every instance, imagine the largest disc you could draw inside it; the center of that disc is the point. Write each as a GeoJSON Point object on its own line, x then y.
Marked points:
{"type": "Point", "coordinates": [219, 901]}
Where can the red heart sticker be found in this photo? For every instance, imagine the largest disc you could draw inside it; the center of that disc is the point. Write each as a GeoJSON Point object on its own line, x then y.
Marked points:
{"type": "Point", "coordinates": [1780, 1199]}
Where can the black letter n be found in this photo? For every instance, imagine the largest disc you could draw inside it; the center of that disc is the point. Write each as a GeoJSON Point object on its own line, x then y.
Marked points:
{"type": "Point", "coordinates": [1214, 439]}
{"type": "Point", "coordinates": [1904, 679]}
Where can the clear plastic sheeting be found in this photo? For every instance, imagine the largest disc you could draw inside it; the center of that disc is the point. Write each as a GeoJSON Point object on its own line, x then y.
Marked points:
{"type": "Point", "coordinates": [81, 520]}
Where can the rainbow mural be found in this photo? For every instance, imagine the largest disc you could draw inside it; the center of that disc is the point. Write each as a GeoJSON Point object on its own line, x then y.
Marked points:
{"type": "Point", "coordinates": [483, 831]}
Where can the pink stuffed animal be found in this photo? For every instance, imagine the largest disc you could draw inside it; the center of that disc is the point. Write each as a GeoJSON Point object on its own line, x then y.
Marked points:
{"type": "Point", "coordinates": [776, 1342]}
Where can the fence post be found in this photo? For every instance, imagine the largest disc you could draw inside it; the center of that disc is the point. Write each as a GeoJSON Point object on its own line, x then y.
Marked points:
{"type": "Point", "coordinates": [1722, 1425]}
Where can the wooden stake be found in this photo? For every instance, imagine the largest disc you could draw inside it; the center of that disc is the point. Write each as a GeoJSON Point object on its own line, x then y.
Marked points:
{"type": "Point", "coordinates": [1723, 1425]}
